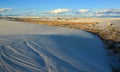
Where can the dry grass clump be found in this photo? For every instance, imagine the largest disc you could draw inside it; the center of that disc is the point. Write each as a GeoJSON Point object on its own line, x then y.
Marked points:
{"type": "Point", "coordinates": [111, 33]}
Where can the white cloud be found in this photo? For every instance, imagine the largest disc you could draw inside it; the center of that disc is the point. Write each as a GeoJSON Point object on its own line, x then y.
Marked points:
{"type": "Point", "coordinates": [83, 11]}
{"type": "Point", "coordinates": [108, 11]}
{"type": "Point", "coordinates": [100, 15]}
{"type": "Point", "coordinates": [59, 10]}
{"type": "Point", "coordinates": [5, 9]}
{"type": "Point", "coordinates": [91, 15]}
{"type": "Point", "coordinates": [114, 15]}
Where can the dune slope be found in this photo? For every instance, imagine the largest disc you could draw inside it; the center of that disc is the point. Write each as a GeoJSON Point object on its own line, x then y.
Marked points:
{"type": "Point", "coordinates": [26, 47]}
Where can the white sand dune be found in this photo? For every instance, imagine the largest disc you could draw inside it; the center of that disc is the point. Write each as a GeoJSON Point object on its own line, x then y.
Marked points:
{"type": "Point", "coordinates": [26, 47]}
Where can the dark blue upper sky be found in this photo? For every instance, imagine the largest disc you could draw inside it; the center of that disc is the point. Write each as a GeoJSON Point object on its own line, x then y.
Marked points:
{"type": "Point", "coordinates": [52, 4]}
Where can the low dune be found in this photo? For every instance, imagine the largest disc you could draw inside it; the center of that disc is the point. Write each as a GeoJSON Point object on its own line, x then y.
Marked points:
{"type": "Point", "coordinates": [27, 47]}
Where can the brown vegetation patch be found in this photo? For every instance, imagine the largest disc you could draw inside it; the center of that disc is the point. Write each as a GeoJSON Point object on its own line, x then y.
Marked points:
{"type": "Point", "coordinates": [55, 22]}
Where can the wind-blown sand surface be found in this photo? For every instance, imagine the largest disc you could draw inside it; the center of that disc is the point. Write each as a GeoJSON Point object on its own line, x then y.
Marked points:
{"type": "Point", "coordinates": [26, 47]}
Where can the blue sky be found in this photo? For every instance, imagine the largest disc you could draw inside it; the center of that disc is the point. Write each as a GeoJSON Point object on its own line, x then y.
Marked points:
{"type": "Point", "coordinates": [51, 4]}
{"type": "Point", "coordinates": [73, 7]}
